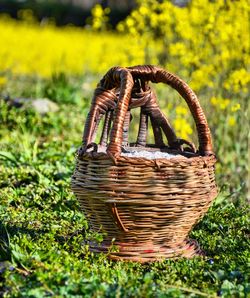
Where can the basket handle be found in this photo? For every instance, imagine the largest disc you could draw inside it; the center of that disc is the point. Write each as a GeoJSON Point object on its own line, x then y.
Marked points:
{"type": "Point", "coordinates": [116, 77]}
{"type": "Point", "coordinates": [157, 75]}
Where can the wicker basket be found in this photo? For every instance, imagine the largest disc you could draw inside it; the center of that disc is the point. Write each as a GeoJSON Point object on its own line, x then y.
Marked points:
{"type": "Point", "coordinates": [147, 205]}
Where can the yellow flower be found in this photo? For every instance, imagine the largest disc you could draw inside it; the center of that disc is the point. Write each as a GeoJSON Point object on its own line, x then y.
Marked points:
{"type": "Point", "coordinates": [130, 22]}
{"type": "Point", "coordinates": [231, 121]}
{"type": "Point", "coordinates": [3, 81]}
{"type": "Point", "coordinates": [214, 101]}
{"type": "Point", "coordinates": [182, 128]}
{"type": "Point", "coordinates": [97, 11]}
{"type": "Point", "coordinates": [180, 110]}
{"type": "Point", "coordinates": [224, 103]}
{"type": "Point", "coordinates": [220, 102]}
{"type": "Point", "coordinates": [144, 10]}
{"type": "Point", "coordinates": [238, 80]}
{"type": "Point", "coordinates": [235, 107]}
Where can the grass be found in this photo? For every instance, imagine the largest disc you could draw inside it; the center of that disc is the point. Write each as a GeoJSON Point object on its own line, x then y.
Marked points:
{"type": "Point", "coordinates": [43, 252]}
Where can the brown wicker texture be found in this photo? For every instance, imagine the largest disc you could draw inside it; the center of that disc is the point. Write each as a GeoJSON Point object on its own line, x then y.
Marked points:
{"type": "Point", "coordinates": [147, 206]}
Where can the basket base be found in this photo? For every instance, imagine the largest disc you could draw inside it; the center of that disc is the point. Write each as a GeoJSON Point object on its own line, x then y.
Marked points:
{"type": "Point", "coordinates": [147, 253]}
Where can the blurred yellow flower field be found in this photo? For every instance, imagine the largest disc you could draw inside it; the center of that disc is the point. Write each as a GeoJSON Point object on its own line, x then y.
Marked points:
{"type": "Point", "coordinates": [207, 43]}
{"type": "Point", "coordinates": [30, 49]}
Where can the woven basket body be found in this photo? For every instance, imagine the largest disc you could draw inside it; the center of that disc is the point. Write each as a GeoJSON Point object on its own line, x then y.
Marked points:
{"type": "Point", "coordinates": [147, 206]}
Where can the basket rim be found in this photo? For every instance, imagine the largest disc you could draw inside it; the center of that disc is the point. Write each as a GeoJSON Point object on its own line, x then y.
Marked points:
{"type": "Point", "coordinates": [185, 158]}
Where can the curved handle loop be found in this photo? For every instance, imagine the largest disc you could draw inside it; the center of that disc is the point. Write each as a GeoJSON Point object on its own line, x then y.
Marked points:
{"type": "Point", "coordinates": [115, 77]}
{"type": "Point", "coordinates": [156, 75]}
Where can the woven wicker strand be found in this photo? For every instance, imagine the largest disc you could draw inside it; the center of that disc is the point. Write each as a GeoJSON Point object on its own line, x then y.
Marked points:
{"type": "Point", "coordinates": [147, 206]}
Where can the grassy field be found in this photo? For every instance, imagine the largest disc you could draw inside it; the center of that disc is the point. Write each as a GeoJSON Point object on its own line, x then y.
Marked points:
{"type": "Point", "coordinates": [43, 252]}
{"type": "Point", "coordinates": [43, 230]}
